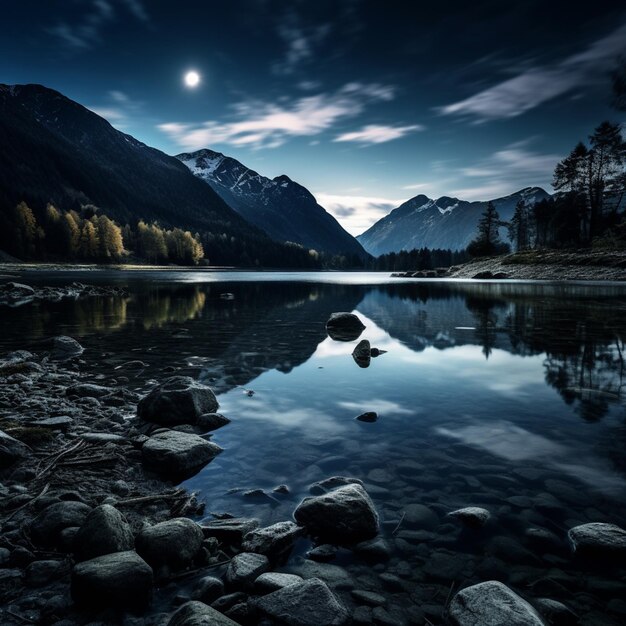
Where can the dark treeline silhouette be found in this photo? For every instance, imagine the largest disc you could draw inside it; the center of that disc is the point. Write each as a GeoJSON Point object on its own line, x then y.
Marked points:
{"type": "Point", "coordinates": [88, 235]}
{"type": "Point", "coordinates": [91, 236]}
{"type": "Point", "coordinates": [588, 209]}
{"type": "Point", "coordinates": [417, 259]}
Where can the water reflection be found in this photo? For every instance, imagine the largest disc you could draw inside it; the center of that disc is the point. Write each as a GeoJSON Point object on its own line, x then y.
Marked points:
{"type": "Point", "coordinates": [507, 396]}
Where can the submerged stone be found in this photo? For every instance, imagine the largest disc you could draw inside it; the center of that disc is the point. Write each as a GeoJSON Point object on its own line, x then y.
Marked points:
{"type": "Point", "coordinates": [472, 516]}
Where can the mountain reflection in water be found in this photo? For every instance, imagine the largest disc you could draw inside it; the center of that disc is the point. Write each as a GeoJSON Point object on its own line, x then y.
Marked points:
{"type": "Point", "coordinates": [502, 395]}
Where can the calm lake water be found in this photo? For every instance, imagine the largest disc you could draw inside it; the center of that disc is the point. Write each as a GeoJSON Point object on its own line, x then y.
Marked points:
{"type": "Point", "coordinates": [501, 395]}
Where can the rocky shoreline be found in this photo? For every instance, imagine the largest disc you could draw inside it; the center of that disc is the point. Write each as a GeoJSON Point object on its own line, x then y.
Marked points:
{"type": "Point", "coordinates": [536, 265]}
{"type": "Point", "coordinates": [96, 530]}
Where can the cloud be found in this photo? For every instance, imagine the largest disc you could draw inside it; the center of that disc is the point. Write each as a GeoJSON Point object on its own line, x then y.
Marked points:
{"type": "Point", "coordinates": [300, 42]}
{"type": "Point", "coordinates": [357, 213]}
{"type": "Point", "coordinates": [505, 171]}
{"type": "Point", "coordinates": [118, 109]}
{"type": "Point", "coordinates": [85, 31]}
{"type": "Point", "coordinates": [537, 85]}
{"type": "Point", "coordinates": [269, 125]}
{"type": "Point", "coordinates": [373, 134]}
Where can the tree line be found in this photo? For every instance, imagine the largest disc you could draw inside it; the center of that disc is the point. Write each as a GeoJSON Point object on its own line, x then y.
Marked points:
{"type": "Point", "coordinates": [588, 209]}
{"type": "Point", "coordinates": [417, 259]}
{"type": "Point", "coordinates": [91, 236]}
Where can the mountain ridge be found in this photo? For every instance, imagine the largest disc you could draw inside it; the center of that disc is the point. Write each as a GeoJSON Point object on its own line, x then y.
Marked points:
{"type": "Point", "coordinates": [444, 222]}
{"type": "Point", "coordinates": [57, 150]}
{"type": "Point", "coordinates": [283, 208]}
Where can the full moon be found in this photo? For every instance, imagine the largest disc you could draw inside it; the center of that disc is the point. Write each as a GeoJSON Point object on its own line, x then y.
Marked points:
{"type": "Point", "coordinates": [192, 79]}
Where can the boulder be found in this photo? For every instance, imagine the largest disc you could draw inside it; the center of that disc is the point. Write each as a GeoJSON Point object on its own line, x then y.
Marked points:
{"type": "Point", "coordinates": [172, 544]}
{"type": "Point", "coordinates": [120, 580]}
{"type": "Point", "coordinates": [104, 531]}
{"type": "Point", "coordinates": [211, 421]}
{"type": "Point", "coordinates": [345, 515]}
{"type": "Point", "coordinates": [491, 604]}
{"type": "Point", "coordinates": [272, 540]}
{"type": "Point", "coordinates": [65, 347]}
{"type": "Point", "coordinates": [199, 614]}
{"type": "Point", "coordinates": [344, 327]}
{"type": "Point", "coordinates": [208, 589]}
{"type": "Point", "coordinates": [178, 455]}
{"type": "Point", "coordinates": [230, 531]}
{"type": "Point", "coordinates": [179, 400]}
{"type": "Point", "coordinates": [308, 603]}
{"type": "Point", "coordinates": [598, 539]}
{"type": "Point", "coordinates": [362, 354]}
{"type": "Point", "coordinates": [245, 568]}
{"type": "Point", "coordinates": [420, 516]}
{"type": "Point", "coordinates": [272, 581]}
{"type": "Point", "coordinates": [472, 516]}
{"type": "Point", "coordinates": [11, 450]}
{"type": "Point", "coordinates": [46, 528]}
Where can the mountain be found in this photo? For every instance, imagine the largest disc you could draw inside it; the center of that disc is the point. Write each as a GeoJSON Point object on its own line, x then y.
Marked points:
{"type": "Point", "coordinates": [285, 210]}
{"type": "Point", "coordinates": [55, 150]}
{"type": "Point", "coordinates": [447, 223]}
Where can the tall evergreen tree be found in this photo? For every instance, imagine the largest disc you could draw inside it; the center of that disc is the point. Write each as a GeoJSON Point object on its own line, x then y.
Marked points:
{"type": "Point", "coordinates": [487, 241]}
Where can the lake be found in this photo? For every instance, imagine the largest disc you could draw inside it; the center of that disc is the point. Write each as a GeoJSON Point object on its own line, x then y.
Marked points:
{"type": "Point", "coordinates": [506, 396]}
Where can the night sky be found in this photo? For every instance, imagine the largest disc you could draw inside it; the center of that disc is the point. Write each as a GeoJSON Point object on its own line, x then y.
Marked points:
{"type": "Point", "coordinates": [365, 103]}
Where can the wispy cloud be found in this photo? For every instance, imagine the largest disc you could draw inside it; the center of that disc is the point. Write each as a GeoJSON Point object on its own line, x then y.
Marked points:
{"type": "Point", "coordinates": [300, 41]}
{"type": "Point", "coordinates": [86, 30]}
{"type": "Point", "coordinates": [357, 213]}
{"type": "Point", "coordinates": [505, 171]}
{"type": "Point", "coordinates": [373, 133]}
{"type": "Point", "coordinates": [118, 108]}
{"type": "Point", "coordinates": [269, 125]}
{"type": "Point", "coordinates": [538, 85]}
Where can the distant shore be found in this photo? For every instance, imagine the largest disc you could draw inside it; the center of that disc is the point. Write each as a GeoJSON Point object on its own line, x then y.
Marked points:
{"type": "Point", "coordinates": [538, 265]}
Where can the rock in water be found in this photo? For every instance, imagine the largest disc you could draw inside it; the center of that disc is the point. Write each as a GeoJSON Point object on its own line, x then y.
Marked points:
{"type": "Point", "coordinates": [173, 544]}
{"type": "Point", "coordinates": [46, 528]}
{"type": "Point", "coordinates": [104, 531]}
{"type": "Point", "coordinates": [199, 614]}
{"type": "Point", "coordinates": [121, 580]}
{"type": "Point", "coordinates": [369, 417]}
{"type": "Point", "coordinates": [362, 354]}
{"type": "Point", "coordinates": [245, 568]}
{"type": "Point", "coordinates": [272, 540]}
{"type": "Point", "coordinates": [472, 516]}
{"type": "Point", "coordinates": [65, 347]}
{"type": "Point", "coordinates": [11, 450]}
{"type": "Point", "coordinates": [344, 327]}
{"type": "Point", "coordinates": [598, 539]}
{"type": "Point", "coordinates": [491, 604]}
{"type": "Point", "coordinates": [178, 455]}
{"type": "Point", "coordinates": [309, 603]}
{"type": "Point", "coordinates": [345, 515]}
{"type": "Point", "coordinates": [179, 400]}
{"type": "Point", "coordinates": [211, 421]}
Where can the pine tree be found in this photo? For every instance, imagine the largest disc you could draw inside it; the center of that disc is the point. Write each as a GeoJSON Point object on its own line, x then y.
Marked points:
{"type": "Point", "coordinates": [487, 241]}
{"type": "Point", "coordinates": [89, 245]}
{"type": "Point", "coordinates": [520, 227]}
